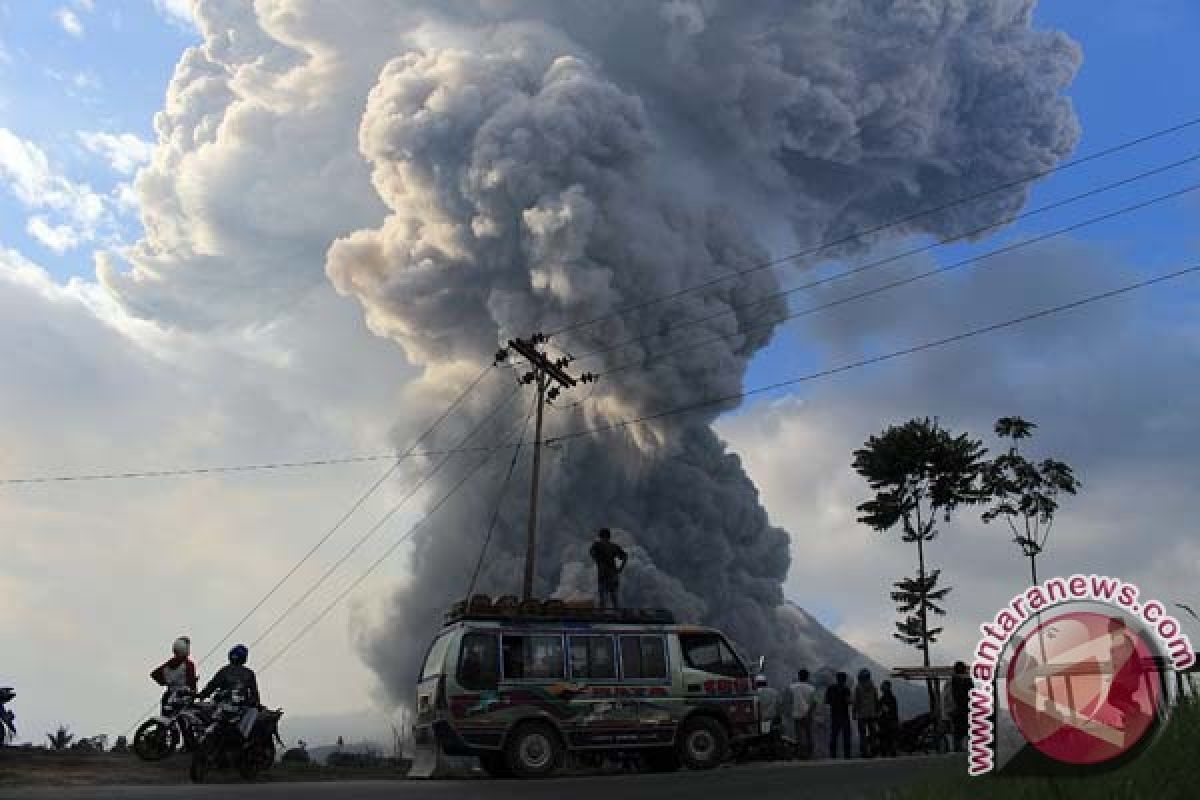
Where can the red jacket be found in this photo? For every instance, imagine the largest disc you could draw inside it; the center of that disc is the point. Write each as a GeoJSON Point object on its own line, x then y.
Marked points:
{"type": "Point", "coordinates": [178, 671]}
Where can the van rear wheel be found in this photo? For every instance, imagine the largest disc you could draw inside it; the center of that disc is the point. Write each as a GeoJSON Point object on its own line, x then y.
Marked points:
{"type": "Point", "coordinates": [702, 743]}
{"type": "Point", "coordinates": [533, 750]}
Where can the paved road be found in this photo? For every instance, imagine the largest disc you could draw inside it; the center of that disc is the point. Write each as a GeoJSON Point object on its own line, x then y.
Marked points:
{"type": "Point", "coordinates": [815, 781]}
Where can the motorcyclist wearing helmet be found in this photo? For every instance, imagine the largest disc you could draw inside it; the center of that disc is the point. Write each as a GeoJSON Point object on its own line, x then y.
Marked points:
{"type": "Point", "coordinates": [177, 672]}
{"type": "Point", "coordinates": [236, 678]}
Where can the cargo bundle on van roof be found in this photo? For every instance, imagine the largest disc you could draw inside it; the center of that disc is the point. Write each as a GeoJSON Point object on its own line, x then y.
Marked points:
{"type": "Point", "coordinates": [510, 608]}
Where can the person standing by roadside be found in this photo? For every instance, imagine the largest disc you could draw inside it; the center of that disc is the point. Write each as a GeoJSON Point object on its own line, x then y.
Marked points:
{"type": "Point", "coordinates": [866, 711]}
{"type": "Point", "coordinates": [606, 554]}
{"type": "Point", "coordinates": [960, 692]}
{"type": "Point", "coordinates": [839, 699]}
{"type": "Point", "coordinates": [803, 696]}
{"type": "Point", "coordinates": [768, 706]}
{"type": "Point", "coordinates": [889, 720]}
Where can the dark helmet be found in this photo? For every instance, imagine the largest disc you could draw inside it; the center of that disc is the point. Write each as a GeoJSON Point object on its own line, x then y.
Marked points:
{"type": "Point", "coordinates": [238, 654]}
{"type": "Point", "coordinates": [864, 674]}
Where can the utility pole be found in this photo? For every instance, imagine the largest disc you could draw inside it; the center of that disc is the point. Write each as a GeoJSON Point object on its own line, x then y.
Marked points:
{"type": "Point", "coordinates": [550, 378]}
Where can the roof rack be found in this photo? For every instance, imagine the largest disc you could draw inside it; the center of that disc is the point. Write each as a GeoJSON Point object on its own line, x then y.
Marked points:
{"type": "Point", "coordinates": [510, 608]}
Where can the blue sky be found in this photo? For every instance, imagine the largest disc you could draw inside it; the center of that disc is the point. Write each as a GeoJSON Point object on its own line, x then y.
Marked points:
{"type": "Point", "coordinates": [109, 76]}
{"type": "Point", "coordinates": [1136, 78]}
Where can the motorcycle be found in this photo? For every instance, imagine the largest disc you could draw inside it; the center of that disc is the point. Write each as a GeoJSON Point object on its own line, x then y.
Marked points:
{"type": "Point", "coordinates": [182, 721]}
{"type": "Point", "coordinates": [8, 726]}
{"type": "Point", "coordinates": [238, 735]}
{"type": "Point", "coordinates": [771, 744]}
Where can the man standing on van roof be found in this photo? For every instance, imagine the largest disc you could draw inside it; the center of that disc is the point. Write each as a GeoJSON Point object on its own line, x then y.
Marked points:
{"type": "Point", "coordinates": [606, 554]}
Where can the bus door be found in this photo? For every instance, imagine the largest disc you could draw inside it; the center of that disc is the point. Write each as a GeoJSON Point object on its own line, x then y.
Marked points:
{"type": "Point", "coordinates": [646, 681]}
{"type": "Point", "coordinates": [602, 717]}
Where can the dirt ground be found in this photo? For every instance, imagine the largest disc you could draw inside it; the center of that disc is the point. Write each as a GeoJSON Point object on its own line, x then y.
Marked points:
{"type": "Point", "coordinates": [35, 767]}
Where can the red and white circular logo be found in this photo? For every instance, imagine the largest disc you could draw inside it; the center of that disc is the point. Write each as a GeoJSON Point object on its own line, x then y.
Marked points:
{"type": "Point", "coordinates": [1083, 688]}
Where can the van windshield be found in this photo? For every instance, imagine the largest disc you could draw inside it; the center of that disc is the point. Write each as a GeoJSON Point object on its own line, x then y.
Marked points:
{"type": "Point", "coordinates": [436, 658]}
{"type": "Point", "coordinates": [709, 652]}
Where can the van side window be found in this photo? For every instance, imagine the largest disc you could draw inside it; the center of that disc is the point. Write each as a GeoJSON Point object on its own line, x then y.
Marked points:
{"type": "Point", "coordinates": [478, 662]}
{"type": "Point", "coordinates": [643, 658]}
{"type": "Point", "coordinates": [710, 652]}
{"type": "Point", "coordinates": [532, 657]}
{"type": "Point", "coordinates": [592, 657]}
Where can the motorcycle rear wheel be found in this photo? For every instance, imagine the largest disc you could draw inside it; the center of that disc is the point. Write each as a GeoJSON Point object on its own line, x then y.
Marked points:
{"type": "Point", "coordinates": [154, 741]}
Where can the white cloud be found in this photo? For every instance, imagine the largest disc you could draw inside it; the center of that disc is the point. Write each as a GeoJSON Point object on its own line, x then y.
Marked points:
{"type": "Point", "coordinates": [180, 12]}
{"type": "Point", "coordinates": [96, 388]}
{"type": "Point", "coordinates": [70, 22]}
{"type": "Point", "coordinates": [125, 152]}
{"type": "Point", "coordinates": [80, 213]}
{"type": "Point", "coordinates": [59, 238]}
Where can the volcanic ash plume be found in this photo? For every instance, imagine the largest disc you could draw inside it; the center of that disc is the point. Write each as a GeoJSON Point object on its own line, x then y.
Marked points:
{"type": "Point", "coordinates": [545, 163]}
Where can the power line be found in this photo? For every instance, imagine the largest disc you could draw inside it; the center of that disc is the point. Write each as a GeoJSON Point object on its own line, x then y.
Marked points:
{"type": "Point", "coordinates": [1046, 312]}
{"type": "Point", "coordinates": [412, 492]}
{"type": "Point", "coordinates": [350, 512]}
{"type": "Point", "coordinates": [880, 262]}
{"type": "Point", "coordinates": [487, 539]}
{"type": "Point", "coordinates": [167, 473]}
{"type": "Point", "coordinates": [454, 404]}
{"type": "Point", "coordinates": [656, 357]}
{"type": "Point", "coordinates": [1061, 167]}
{"type": "Point", "coordinates": [411, 452]}
{"type": "Point", "coordinates": [622, 424]}
{"type": "Point", "coordinates": [368, 458]}
{"type": "Point", "coordinates": [388, 552]}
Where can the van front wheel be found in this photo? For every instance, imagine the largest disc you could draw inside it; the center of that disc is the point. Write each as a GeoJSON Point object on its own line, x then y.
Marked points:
{"type": "Point", "coordinates": [533, 750]}
{"type": "Point", "coordinates": [702, 743]}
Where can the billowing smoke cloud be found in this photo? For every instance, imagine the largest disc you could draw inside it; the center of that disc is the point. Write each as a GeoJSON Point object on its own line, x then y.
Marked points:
{"type": "Point", "coordinates": [532, 164]}
{"type": "Point", "coordinates": [550, 163]}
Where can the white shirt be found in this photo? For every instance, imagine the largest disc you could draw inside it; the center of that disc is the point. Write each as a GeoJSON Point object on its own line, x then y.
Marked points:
{"type": "Point", "coordinates": [768, 703]}
{"type": "Point", "coordinates": [803, 694]}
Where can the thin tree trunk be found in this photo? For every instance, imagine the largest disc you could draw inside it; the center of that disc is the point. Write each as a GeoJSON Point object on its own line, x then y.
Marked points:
{"type": "Point", "coordinates": [923, 615]}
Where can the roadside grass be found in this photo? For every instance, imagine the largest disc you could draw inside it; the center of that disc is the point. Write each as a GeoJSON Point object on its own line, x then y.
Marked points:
{"type": "Point", "coordinates": [1168, 770]}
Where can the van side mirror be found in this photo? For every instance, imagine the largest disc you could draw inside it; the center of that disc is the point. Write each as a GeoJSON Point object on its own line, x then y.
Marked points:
{"type": "Point", "coordinates": [762, 662]}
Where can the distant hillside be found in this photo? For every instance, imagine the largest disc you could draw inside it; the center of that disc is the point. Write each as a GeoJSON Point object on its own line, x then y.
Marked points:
{"type": "Point", "coordinates": [828, 654]}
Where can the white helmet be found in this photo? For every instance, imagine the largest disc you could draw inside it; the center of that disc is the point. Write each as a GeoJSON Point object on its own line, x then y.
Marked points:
{"type": "Point", "coordinates": [182, 647]}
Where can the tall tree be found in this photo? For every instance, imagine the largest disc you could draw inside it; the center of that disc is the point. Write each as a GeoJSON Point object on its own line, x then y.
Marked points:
{"type": "Point", "coordinates": [920, 473]}
{"type": "Point", "coordinates": [1025, 493]}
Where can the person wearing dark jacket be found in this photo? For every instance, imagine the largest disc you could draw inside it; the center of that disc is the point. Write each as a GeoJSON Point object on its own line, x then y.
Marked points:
{"type": "Point", "coordinates": [839, 699]}
{"type": "Point", "coordinates": [606, 553]}
{"type": "Point", "coordinates": [960, 691]}
{"type": "Point", "coordinates": [889, 720]}
{"type": "Point", "coordinates": [237, 679]}
{"type": "Point", "coordinates": [866, 711]}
